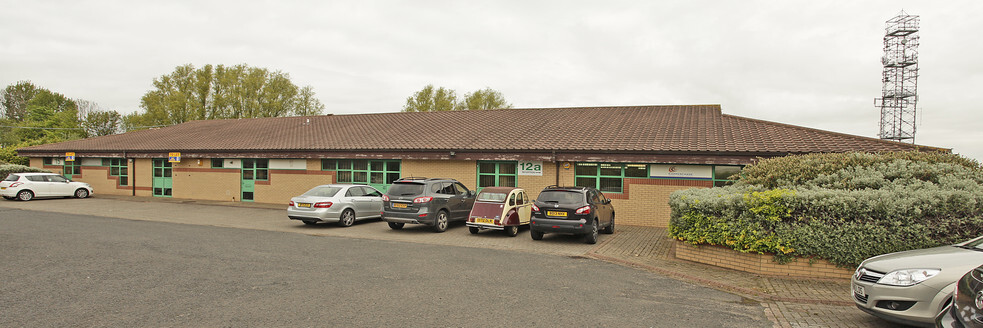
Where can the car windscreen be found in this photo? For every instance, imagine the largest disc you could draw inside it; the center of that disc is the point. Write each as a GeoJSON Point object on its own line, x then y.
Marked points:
{"type": "Point", "coordinates": [976, 244]}
{"type": "Point", "coordinates": [322, 191]}
{"type": "Point", "coordinates": [406, 189]}
{"type": "Point", "coordinates": [12, 177]}
{"type": "Point", "coordinates": [495, 197]}
{"type": "Point", "coordinates": [561, 197]}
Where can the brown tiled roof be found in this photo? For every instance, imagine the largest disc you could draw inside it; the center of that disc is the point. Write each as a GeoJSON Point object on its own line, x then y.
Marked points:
{"type": "Point", "coordinates": [631, 129]}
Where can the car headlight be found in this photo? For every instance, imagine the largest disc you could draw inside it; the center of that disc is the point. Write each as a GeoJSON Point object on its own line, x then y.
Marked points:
{"type": "Point", "coordinates": [907, 277]}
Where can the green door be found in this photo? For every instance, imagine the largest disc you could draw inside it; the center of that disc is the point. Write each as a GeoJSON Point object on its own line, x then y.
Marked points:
{"type": "Point", "coordinates": [162, 178]}
{"type": "Point", "coordinates": [252, 170]}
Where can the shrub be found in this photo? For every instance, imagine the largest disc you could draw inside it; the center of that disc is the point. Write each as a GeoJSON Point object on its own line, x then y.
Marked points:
{"type": "Point", "coordinates": [840, 207]}
{"type": "Point", "coordinates": [7, 169]}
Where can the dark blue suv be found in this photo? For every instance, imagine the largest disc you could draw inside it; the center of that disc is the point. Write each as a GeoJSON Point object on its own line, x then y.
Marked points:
{"type": "Point", "coordinates": [571, 210]}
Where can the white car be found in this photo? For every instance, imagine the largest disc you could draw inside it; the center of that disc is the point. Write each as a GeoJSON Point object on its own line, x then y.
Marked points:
{"type": "Point", "coordinates": [27, 186]}
{"type": "Point", "coordinates": [341, 203]}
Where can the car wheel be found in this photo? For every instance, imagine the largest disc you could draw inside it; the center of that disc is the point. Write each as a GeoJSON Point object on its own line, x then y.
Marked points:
{"type": "Point", "coordinates": [591, 237]}
{"type": "Point", "coordinates": [536, 235]}
{"type": "Point", "coordinates": [440, 222]}
{"type": "Point", "coordinates": [396, 225]}
{"type": "Point", "coordinates": [473, 230]}
{"type": "Point", "coordinates": [347, 218]}
{"type": "Point", "coordinates": [610, 228]}
{"type": "Point", "coordinates": [25, 195]}
{"type": "Point", "coordinates": [512, 231]}
{"type": "Point", "coordinates": [81, 193]}
{"type": "Point", "coordinates": [310, 222]}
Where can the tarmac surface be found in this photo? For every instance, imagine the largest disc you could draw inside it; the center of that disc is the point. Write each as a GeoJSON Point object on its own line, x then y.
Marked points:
{"type": "Point", "coordinates": [787, 302]}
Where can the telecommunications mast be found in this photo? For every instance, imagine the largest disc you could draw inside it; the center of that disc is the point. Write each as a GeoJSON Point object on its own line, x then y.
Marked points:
{"type": "Point", "coordinates": [900, 77]}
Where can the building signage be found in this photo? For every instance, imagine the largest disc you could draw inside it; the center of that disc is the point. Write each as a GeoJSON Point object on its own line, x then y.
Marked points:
{"type": "Point", "coordinates": [531, 168]}
{"type": "Point", "coordinates": [70, 157]}
{"type": "Point", "coordinates": [681, 171]}
{"type": "Point", "coordinates": [174, 157]}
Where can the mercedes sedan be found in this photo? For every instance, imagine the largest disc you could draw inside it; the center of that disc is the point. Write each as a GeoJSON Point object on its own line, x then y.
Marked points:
{"type": "Point", "coordinates": [341, 203]}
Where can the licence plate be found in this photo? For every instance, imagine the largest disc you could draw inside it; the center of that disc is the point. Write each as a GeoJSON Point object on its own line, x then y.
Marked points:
{"type": "Point", "coordinates": [485, 221]}
{"type": "Point", "coordinates": [308, 205]}
{"type": "Point", "coordinates": [400, 205]}
{"type": "Point", "coordinates": [859, 290]}
{"type": "Point", "coordinates": [556, 213]}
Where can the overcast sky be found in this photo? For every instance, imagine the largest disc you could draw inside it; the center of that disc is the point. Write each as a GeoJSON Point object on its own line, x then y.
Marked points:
{"type": "Point", "coordinates": [808, 63]}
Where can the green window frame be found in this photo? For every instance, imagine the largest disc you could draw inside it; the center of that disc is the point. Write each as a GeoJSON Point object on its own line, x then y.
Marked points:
{"type": "Point", "coordinates": [256, 169]}
{"type": "Point", "coordinates": [722, 174]}
{"type": "Point", "coordinates": [497, 174]}
{"type": "Point", "coordinates": [72, 168]}
{"type": "Point", "coordinates": [607, 177]}
{"type": "Point", "coordinates": [117, 168]}
{"type": "Point", "coordinates": [376, 173]}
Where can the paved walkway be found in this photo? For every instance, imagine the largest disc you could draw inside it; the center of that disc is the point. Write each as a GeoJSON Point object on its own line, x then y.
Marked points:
{"type": "Point", "coordinates": [787, 302]}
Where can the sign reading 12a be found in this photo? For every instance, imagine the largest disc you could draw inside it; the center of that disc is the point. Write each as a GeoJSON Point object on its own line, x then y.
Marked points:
{"type": "Point", "coordinates": [531, 168]}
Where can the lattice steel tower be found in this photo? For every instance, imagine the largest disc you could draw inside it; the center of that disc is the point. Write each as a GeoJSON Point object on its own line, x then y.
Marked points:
{"type": "Point", "coordinates": [900, 77]}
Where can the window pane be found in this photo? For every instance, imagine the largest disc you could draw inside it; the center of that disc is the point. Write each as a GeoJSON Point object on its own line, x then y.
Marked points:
{"type": "Point", "coordinates": [114, 170]}
{"type": "Point", "coordinates": [247, 195]}
{"type": "Point", "coordinates": [328, 164]}
{"type": "Point", "coordinates": [218, 162]}
{"type": "Point", "coordinates": [377, 166]}
{"type": "Point", "coordinates": [360, 177]}
{"type": "Point", "coordinates": [506, 168]}
{"type": "Point", "coordinates": [123, 181]}
{"type": "Point", "coordinates": [344, 177]}
{"type": "Point", "coordinates": [486, 181]}
{"type": "Point", "coordinates": [167, 172]}
{"type": "Point", "coordinates": [106, 162]}
{"type": "Point", "coordinates": [344, 164]}
{"type": "Point", "coordinates": [725, 172]}
{"type": "Point", "coordinates": [158, 191]}
{"type": "Point", "coordinates": [611, 170]}
{"type": "Point", "coordinates": [486, 168]}
{"type": "Point", "coordinates": [262, 163]}
{"type": "Point", "coordinates": [158, 172]}
{"type": "Point", "coordinates": [722, 183]}
{"type": "Point", "coordinates": [47, 160]}
{"type": "Point", "coordinates": [248, 163]}
{"type": "Point", "coordinates": [262, 174]}
{"type": "Point", "coordinates": [586, 169]}
{"type": "Point", "coordinates": [587, 182]}
{"type": "Point", "coordinates": [167, 191]}
{"type": "Point", "coordinates": [636, 170]}
{"type": "Point", "coordinates": [390, 177]}
{"type": "Point", "coordinates": [506, 181]}
{"type": "Point", "coordinates": [392, 166]}
{"type": "Point", "coordinates": [247, 174]}
{"type": "Point", "coordinates": [610, 184]}
{"type": "Point", "coordinates": [376, 177]}
{"type": "Point", "coordinates": [361, 165]}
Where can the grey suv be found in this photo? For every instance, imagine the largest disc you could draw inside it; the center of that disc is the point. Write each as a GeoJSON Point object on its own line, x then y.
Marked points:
{"type": "Point", "coordinates": [433, 202]}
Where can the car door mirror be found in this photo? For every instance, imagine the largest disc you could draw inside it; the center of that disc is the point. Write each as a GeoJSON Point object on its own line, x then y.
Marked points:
{"type": "Point", "coordinates": [606, 201]}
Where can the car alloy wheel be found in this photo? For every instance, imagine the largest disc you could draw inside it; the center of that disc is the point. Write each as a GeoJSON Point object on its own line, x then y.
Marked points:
{"type": "Point", "coordinates": [511, 231]}
{"type": "Point", "coordinates": [81, 193]}
{"type": "Point", "coordinates": [347, 218]}
{"type": "Point", "coordinates": [591, 237]}
{"type": "Point", "coordinates": [440, 222]}
{"type": "Point", "coordinates": [25, 195]}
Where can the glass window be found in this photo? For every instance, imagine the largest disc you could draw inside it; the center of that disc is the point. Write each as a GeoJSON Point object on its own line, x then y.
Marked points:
{"type": "Point", "coordinates": [118, 169]}
{"type": "Point", "coordinates": [497, 174]}
{"type": "Point", "coordinates": [47, 160]}
{"type": "Point", "coordinates": [322, 191]}
{"type": "Point", "coordinates": [725, 175]}
{"type": "Point", "coordinates": [72, 168]}
{"type": "Point", "coordinates": [608, 177]}
{"type": "Point", "coordinates": [378, 174]}
{"type": "Point", "coordinates": [218, 163]}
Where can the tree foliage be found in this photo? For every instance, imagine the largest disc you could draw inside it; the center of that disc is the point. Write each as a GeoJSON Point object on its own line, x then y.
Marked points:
{"type": "Point", "coordinates": [431, 99]}
{"type": "Point", "coordinates": [102, 123]}
{"type": "Point", "coordinates": [223, 92]}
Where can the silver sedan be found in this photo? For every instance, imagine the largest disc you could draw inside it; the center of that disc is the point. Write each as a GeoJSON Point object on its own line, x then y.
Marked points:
{"type": "Point", "coordinates": [342, 203]}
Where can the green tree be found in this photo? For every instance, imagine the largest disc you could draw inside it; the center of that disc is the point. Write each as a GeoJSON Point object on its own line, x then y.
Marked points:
{"type": "Point", "coordinates": [102, 123]}
{"type": "Point", "coordinates": [431, 99]}
{"type": "Point", "coordinates": [219, 92]}
{"type": "Point", "coordinates": [14, 98]}
{"type": "Point", "coordinates": [484, 99]}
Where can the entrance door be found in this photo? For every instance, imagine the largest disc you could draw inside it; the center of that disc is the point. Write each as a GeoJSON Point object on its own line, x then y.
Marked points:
{"type": "Point", "coordinates": [248, 179]}
{"type": "Point", "coordinates": [162, 178]}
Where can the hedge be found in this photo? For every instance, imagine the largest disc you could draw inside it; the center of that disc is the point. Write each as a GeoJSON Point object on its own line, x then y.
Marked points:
{"type": "Point", "coordinates": [7, 169]}
{"type": "Point", "coordinates": [842, 208]}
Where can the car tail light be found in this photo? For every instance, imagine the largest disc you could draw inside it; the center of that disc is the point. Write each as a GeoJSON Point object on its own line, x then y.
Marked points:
{"type": "Point", "coordinates": [420, 200]}
{"type": "Point", "coordinates": [291, 203]}
{"type": "Point", "coordinates": [583, 210]}
{"type": "Point", "coordinates": [323, 205]}
{"type": "Point", "coordinates": [385, 198]}
{"type": "Point", "coordinates": [535, 208]}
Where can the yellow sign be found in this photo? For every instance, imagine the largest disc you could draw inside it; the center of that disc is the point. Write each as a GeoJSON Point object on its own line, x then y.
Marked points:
{"type": "Point", "coordinates": [69, 156]}
{"type": "Point", "coordinates": [174, 157]}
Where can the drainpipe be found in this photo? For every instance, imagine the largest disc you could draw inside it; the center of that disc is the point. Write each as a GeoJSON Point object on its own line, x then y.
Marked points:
{"type": "Point", "coordinates": [133, 179]}
{"type": "Point", "coordinates": [556, 167]}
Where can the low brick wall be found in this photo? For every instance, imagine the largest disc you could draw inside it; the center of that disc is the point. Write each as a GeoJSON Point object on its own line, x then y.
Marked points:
{"type": "Point", "coordinates": [762, 264]}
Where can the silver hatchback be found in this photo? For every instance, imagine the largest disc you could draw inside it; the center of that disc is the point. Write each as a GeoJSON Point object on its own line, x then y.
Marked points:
{"type": "Point", "coordinates": [912, 287]}
{"type": "Point", "coordinates": [342, 203]}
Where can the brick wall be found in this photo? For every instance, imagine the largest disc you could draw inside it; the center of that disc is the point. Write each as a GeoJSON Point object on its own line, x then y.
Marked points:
{"type": "Point", "coordinates": [144, 176]}
{"type": "Point", "coordinates": [645, 202]}
{"type": "Point", "coordinates": [464, 171]}
{"type": "Point", "coordinates": [758, 263]}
